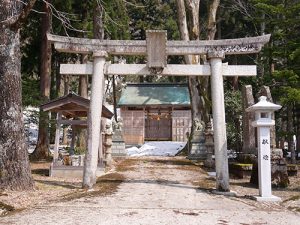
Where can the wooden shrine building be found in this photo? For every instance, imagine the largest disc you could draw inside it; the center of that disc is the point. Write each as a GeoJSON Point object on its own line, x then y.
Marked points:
{"type": "Point", "coordinates": [71, 109]}
{"type": "Point", "coordinates": [155, 112]}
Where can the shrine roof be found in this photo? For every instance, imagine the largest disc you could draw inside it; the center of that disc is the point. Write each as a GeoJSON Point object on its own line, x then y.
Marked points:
{"type": "Point", "coordinates": [155, 94]}
{"type": "Point", "coordinates": [73, 105]}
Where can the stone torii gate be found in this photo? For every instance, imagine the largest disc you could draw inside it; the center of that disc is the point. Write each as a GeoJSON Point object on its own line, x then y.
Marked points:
{"type": "Point", "coordinates": [157, 48]}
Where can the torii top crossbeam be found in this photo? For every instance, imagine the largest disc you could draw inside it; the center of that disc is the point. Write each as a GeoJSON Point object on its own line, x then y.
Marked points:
{"type": "Point", "coordinates": [131, 47]}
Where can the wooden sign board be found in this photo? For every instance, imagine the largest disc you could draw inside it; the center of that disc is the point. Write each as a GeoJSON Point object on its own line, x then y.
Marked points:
{"type": "Point", "coordinates": [156, 49]}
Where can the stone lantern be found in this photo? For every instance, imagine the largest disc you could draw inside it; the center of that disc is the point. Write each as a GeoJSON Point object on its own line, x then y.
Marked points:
{"type": "Point", "coordinates": [108, 143]}
{"type": "Point", "coordinates": [209, 144]}
{"type": "Point", "coordinates": [263, 121]}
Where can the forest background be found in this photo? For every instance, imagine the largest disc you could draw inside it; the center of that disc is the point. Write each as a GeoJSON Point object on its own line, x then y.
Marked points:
{"type": "Point", "coordinates": [278, 63]}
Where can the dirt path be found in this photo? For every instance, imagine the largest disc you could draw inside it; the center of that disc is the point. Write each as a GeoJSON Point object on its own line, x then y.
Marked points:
{"type": "Point", "coordinates": [154, 191]}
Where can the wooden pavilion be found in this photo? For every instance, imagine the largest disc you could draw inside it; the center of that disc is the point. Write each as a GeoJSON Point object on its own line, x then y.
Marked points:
{"type": "Point", "coordinates": [71, 109]}
{"type": "Point", "coordinates": [160, 112]}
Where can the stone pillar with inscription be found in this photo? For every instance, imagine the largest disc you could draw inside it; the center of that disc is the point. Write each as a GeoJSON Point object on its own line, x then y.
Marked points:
{"type": "Point", "coordinates": [265, 91]}
{"type": "Point", "coordinates": [209, 144]}
{"type": "Point", "coordinates": [278, 162]}
{"type": "Point", "coordinates": [263, 121]}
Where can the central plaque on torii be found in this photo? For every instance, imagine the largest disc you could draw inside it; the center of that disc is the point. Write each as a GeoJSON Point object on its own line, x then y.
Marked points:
{"type": "Point", "coordinates": [156, 50]}
{"type": "Point", "coordinates": [215, 50]}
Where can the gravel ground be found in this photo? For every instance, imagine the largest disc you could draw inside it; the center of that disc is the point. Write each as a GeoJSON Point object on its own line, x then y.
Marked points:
{"type": "Point", "coordinates": [149, 190]}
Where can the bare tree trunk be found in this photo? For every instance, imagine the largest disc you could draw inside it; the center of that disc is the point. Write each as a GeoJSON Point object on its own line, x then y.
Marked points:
{"type": "Point", "coordinates": [235, 80]}
{"type": "Point", "coordinates": [297, 117]}
{"type": "Point", "coordinates": [83, 92]}
{"type": "Point", "coordinates": [283, 126]}
{"type": "Point", "coordinates": [83, 83]}
{"type": "Point", "coordinates": [184, 34]}
{"type": "Point", "coordinates": [204, 81]}
{"type": "Point", "coordinates": [290, 124]}
{"type": "Point", "coordinates": [66, 90]}
{"type": "Point", "coordinates": [83, 86]}
{"type": "Point", "coordinates": [14, 164]}
{"type": "Point", "coordinates": [212, 20]}
{"type": "Point", "coordinates": [98, 27]}
{"type": "Point", "coordinates": [58, 77]}
{"type": "Point", "coordinates": [83, 80]}
{"type": "Point", "coordinates": [298, 143]}
{"type": "Point", "coordinates": [41, 151]}
{"type": "Point", "coordinates": [115, 98]}
{"type": "Point", "coordinates": [198, 86]}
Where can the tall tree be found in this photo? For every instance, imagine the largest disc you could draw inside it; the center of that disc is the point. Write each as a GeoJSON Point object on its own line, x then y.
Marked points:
{"type": "Point", "coordinates": [41, 151]}
{"type": "Point", "coordinates": [82, 9]}
{"type": "Point", "coordinates": [197, 102]}
{"type": "Point", "coordinates": [282, 58]}
{"type": "Point", "coordinates": [189, 27]}
{"type": "Point", "coordinates": [14, 163]}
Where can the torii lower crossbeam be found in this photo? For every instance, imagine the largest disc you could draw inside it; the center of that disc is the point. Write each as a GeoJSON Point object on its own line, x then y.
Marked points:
{"type": "Point", "coordinates": [169, 70]}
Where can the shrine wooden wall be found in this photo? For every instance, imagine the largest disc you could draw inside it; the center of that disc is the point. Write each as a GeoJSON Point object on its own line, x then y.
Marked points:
{"type": "Point", "coordinates": [181, 124]}
{"type": "Point", "coordinates": [133, 126]}
{"type": "Point", "coordinates": [138, 127]}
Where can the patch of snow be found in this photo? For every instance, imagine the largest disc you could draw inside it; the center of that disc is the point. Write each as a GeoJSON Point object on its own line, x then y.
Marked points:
{"type": "Point", "coordinates": [157, 148]}
{"type": "Point", "coordinates": [132, 151]}
{"type": "Point", "coordinates": [212, 174]}
{"type": "Point", "coordinates": [231, 154]}
{"type": "Point", "coordinates": [30, 117]}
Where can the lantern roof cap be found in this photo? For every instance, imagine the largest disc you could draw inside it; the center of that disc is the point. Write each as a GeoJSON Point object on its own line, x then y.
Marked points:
{"type": "Point", "coordinates": [263, 105]}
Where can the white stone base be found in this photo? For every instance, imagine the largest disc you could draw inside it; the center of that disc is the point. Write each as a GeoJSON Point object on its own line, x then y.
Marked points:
{"type": "Point", "coordinates": [71, 171]}
{"type": "Point", "coordinates": [212, 174]}
{"type": "Point", "coordinates": [267, 199]}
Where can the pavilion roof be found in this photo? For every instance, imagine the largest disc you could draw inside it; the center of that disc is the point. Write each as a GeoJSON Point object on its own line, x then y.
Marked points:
{"type": "Point", "coordinates": [73, 105]}
{"type": "Point", "coordinates": [155, 94]}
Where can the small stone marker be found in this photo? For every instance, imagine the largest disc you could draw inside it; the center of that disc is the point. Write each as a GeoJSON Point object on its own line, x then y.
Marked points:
{"type": "Point", "coordinates": [198, 149]}
{"type": "Point", "coordinates": [263, 121]}
{"type": "Point", "coordinates": [209, 145]}
{"type": "Point", "coordinates": [118, 144]}
{"type": "Point", "coordinates": [108, 144]}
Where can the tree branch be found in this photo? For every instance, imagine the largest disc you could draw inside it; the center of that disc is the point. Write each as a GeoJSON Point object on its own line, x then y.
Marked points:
{"type": "Point", "coordinates": [24, 13]}
{"type": "Point", "coordinates": [212, 21]}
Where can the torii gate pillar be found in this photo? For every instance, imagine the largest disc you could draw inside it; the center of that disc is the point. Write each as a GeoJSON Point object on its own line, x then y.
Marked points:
{"type": "Point", "coordinates": [218, 108]}
{"type": "Point", "coordinates": [94, 120]}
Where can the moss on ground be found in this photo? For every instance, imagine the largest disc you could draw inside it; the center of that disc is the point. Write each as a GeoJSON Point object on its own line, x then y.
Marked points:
{"type": "Point", "coordinates": [293, 198]}
{"type": "Point", "coordinates": [171, 161]}
{"type": "Point", "coordinates": [105, 185]}
{"type": "Point", "coordinates": [42, 172]}
{"type": "Point", "coordinates": [205, 183]}
{"type": "Point", "coordinates": [126, 165]}
{"type": "Point", "coordinates": [5, 209]}
{"type": "Point", "coordinates": [297, 209]}
{"type": "Point", "coordinates": [241, 166]}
